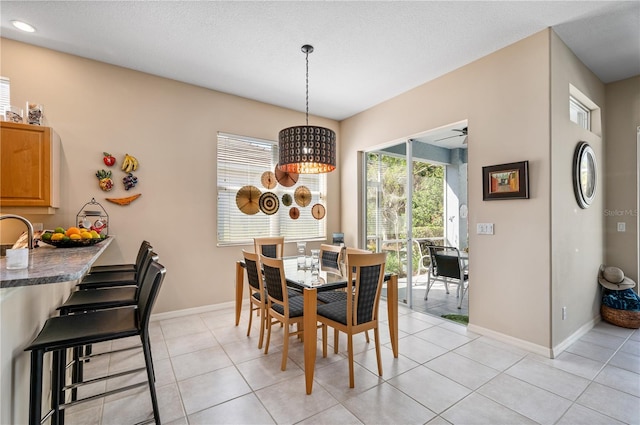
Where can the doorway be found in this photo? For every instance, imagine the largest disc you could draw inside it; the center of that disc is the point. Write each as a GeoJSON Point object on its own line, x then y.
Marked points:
{"type": "Point", "coordinates": [416, 193]}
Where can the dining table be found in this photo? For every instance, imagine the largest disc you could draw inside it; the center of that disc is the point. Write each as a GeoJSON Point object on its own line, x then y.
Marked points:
{"type": "Point", "coordinates": [310, 282]}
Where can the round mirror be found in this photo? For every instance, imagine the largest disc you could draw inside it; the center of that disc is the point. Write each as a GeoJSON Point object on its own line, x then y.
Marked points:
{"type": "Point", "coordinates": [585, 175]}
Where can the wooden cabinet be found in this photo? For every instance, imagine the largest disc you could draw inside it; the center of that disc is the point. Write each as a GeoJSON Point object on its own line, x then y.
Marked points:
{"type": "Point", "coordinates": [29, 167]}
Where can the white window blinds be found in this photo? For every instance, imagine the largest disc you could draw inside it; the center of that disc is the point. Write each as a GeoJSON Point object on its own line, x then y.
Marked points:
{"type": "Point", "coordinates": [242, 161]}
{"type": "Point", "coordinates": [5, 94]}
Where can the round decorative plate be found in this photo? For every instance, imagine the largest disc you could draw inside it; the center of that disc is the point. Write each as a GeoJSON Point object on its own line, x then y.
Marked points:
{"type": "Point", "coordinates": [302, 195]}
{"type": "Point", "coordinates": [318, 211]}
{"type": "Point", "coordinates": [269, 203]}
{"type": "Point", "coordinates": [287, 200]}
{"type": "Point", "coordinates": [285, 179]}
{"type": "Point", "coordinates": [247, 199]}
{"type": "Point", "coordinates": [268, 179]}
{"type": "Point", "coordinates": [294, 213]}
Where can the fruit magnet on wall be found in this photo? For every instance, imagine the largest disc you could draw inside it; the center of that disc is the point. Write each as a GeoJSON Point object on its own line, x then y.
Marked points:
{"type": "Point", "coordinates": [129, 163]}
{"type": "Point", "coordinates": [105, 181]}
{"type": "Point", "coordinates": [129, 181]}
{"type": "Point", "coordinates": [108, 159]}
{"type": "Point", "coordinates": [124, 201]}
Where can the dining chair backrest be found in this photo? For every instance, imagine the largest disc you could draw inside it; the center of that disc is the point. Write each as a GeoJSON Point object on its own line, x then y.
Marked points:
{"type": "Point", "coordinates": [149, 289]}
{"type": "Point", "coordinates": [274, 279]}
{"type": "Point", "coordinates": [254, 274]}
{"type": "Point", "coordinates": [448, 262]}
{"type": "Point", "coordinates": [348, 251]}
{"type": "Point", "coordinates": [367, 287]}
{"type": "Point", "coordinates": [272, 247]}
{"type": "Point", "coordinates": [145, 247]}
{"type": "Point", "coordinates": [330, 258]}
{"type": "Point", "coordinates": [144, 269]}
{"type": "Point", "coordinates": [433, 250]}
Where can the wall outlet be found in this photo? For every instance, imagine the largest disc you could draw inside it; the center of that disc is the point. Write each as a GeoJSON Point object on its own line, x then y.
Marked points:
{"type": "Point", "coordinates": [564, 313]}
{"type": "Point", "coordinates": [37, 227]}
{"type": "Point", "coordinates": [622, 227]}
{"type": "Point", "coordinates": [484, 228]}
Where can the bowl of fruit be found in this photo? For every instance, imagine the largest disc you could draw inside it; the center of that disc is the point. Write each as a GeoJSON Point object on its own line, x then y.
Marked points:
{"type": "Point", "coordinates": [72, 237]}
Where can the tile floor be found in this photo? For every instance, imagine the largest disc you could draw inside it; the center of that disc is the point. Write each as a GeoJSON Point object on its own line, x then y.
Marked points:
{"type": "Point", "coordinates": [209, 372]}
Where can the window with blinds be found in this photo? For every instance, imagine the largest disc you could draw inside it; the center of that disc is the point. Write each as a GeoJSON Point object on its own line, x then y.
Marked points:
{"type": "Point", "coordinates": [242, 161]}
{"type": "Point", "coordinates": [5, 94]}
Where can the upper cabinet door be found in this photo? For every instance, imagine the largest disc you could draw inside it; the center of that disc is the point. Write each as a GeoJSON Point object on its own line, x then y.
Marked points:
{"type": "Point", "coordinates": [29, 166]}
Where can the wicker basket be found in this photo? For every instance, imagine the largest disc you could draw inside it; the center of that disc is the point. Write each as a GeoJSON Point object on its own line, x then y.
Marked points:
{"type": "Point", "coordinates": [623, 318]}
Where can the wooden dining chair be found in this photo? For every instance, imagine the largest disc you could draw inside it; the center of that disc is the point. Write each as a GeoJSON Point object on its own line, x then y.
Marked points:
{"type": "Point", "coordinates": [330, 258]}
{"type": "Point", "coordinates": [280, 308]}
{"type": "Point", "coordinates": [358, 313]}
{"type": "Point", "coordinates": [257, 297]}
{"type": "Point", "coordinates": [272, 247]}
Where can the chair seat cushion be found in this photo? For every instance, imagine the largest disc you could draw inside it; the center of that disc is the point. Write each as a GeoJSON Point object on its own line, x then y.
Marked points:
{"type": "Point", "coordinates": [336, 311]}
{"type": "Point", "coordinates": [332, 296]}
{"type": "Point", "coordinates": [87, 328]}
{"type": "Point", "coordinates": [100, 298]}
{"type": "Point", "coordinates": [257, 296]}
{"type": "Point", "coordinates": [115, 277]}
{"type": "Point", "coordinates": [295, 306]}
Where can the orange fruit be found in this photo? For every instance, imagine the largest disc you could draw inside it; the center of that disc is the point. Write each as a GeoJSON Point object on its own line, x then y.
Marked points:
{"type": "Point", "coordinates": [72, 231]}
{"type": "Point", "coordinates": [75, 236]}
{"type": "Point", "coordinates": [86, 235]}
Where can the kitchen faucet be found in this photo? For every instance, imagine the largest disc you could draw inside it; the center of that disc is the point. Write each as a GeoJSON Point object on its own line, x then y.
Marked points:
{"type": "Point", "coordinates": [26, 222]}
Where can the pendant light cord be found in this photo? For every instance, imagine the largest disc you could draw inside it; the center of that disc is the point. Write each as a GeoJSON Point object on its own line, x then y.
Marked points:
{"type": "Point", "coordinates": [307, 100]}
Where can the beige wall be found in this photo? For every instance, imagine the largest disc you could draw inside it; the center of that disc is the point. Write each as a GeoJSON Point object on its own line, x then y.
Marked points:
{"type": "Point", "coordinates": [505, 97]}
{"type": "Point", "coordinates": [577, 239]}
{"type": "Point", "coordinates": [622, 162]}
{"type": "Point", "coordinates": [171, 128]}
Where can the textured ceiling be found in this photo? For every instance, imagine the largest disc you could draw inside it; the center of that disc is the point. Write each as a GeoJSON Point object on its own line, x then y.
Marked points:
{"type": "Point", "coordinates": [365, 52]}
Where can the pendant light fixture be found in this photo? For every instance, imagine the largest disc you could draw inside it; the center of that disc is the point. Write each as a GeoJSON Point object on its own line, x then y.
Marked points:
{"type": "Point", "coordinates": [307, 149]}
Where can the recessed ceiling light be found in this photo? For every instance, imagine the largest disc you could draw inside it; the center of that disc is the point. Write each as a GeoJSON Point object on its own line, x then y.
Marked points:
{"type": "Point", "coordinates": [23, 26]}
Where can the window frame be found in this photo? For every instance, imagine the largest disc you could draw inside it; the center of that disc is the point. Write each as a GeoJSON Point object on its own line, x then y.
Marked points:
{"type": "Point", "coordinates": [229, 179]}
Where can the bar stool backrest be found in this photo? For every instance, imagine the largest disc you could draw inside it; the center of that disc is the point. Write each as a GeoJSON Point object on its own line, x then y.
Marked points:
{"type": "Point", "coordinates": [149, 289]}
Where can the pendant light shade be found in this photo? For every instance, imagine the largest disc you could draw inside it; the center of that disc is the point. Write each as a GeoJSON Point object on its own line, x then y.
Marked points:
{"type": "Point", "coordinates": [307, 149]}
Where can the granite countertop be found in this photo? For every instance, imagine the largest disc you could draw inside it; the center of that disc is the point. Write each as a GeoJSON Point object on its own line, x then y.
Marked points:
{"type": "Point", "coordinates": [48, 264]}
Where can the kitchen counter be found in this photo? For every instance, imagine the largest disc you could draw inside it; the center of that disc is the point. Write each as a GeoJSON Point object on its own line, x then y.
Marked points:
{"type": "Point", "coordinates": [48, 264]}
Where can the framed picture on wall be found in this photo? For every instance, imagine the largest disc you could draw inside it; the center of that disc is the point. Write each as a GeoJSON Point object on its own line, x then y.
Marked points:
{"type": "Point", "coordinates": [506, 181]}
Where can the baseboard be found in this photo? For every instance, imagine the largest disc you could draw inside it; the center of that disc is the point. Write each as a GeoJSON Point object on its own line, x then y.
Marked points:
{"type": "Point", "coordinates": [517, 342]}
{"type": "Point", "coordinates": [188, 311]}
{"type": "Point", "coordinates": [558, 349]}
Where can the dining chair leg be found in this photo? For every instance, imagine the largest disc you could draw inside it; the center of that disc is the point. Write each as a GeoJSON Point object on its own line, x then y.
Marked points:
{"type": "Point", "coordinates": [336, 340]}
{"type": "Point", "coordinates": [262, 325]}
{"type": "Point", "coordinates": [266, 345]}
{"type": "Point", "coordinates": [352, 383]}
{"type": "Point", "coordinates": [35, 387]}
{"type": "Point", "coordinates": [324, 340]}
{"type": "Point", "coordinates": [146, 348]}
{"type": "Point", "coordinates": [250, 318]}
{"type": "Point", "coordinates": [376, 337]}
{"type": "Point", "coordinates": [366, 336]}
{"type": "Point", "coordinates": [285, 348]}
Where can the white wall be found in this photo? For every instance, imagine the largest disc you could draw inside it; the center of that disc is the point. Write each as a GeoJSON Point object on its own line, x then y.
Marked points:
{"type": "Point", "coordinates": [171, 128]}
{"type": "Point", "coordinates": [505, 97]}
{"type": "Point", "coordinates": [577, 238]}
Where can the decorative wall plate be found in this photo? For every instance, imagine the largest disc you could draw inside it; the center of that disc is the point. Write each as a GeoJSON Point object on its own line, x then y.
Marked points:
{"type": "Point", "coordinates": [318, 211]}
{"type": "Point", "coordinates": [247, 199]}
{"type": "Point", "coordinates": [287, 200]}
{"type": "Point", "coordinates": [269, 203]}
{"type": "Point", "coordinates": [285, 179]}
{"type": "Point", "coordinates": [302, 195]}
{"type": "Point", "coordinates": [294, 213]}
{"type": "Point", "coordinates": [268, 179]}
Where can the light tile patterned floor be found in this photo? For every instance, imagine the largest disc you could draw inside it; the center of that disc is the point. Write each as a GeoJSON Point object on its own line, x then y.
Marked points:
{"type": "Point", "coordinates": [209, 372]}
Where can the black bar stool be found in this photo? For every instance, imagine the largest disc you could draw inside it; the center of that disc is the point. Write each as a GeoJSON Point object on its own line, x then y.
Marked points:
{"type": "Point", "coordinates": [63, 332]}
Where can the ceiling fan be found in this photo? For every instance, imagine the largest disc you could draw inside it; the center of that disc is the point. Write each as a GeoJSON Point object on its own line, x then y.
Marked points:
{"type": "Point", "coordinates": [463, 132]}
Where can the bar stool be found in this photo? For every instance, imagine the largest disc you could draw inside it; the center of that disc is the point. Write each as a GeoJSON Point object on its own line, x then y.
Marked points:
{"type": "Point", "coordinates": [63, 332]}
{"type": "Point", "coordinates": [109, 268]}
{"type": "Point", "coordinates": [107, 279]}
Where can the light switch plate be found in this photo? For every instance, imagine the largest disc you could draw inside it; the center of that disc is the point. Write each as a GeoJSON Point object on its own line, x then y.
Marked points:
{"type": "Point", "coordinates": [484, 228]}
{"type": "Point", "coordinates": [622, 227]}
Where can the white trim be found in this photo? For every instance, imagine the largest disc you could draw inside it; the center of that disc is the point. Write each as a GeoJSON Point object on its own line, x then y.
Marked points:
{"type": "Point", "coordinates": [189, 311]}
{"type": "Point", "coordinates": [582, 330]}
{"type": "Point", "coordinates": [517, 342]}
